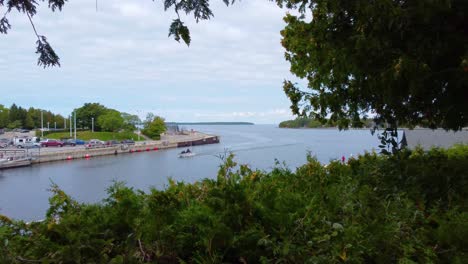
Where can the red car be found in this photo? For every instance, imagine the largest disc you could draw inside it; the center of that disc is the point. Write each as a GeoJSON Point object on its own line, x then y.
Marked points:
{"type": "Point", "coordinates": [51, 143]}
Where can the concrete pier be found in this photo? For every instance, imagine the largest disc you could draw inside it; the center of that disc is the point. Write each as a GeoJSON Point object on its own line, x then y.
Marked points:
{"type": "Point", "coordinates": [166, 142]}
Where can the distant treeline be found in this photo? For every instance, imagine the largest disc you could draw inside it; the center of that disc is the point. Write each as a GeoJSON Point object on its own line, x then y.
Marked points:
{"type": "Point", "coordinates": [305, 122]}
{"type": "Point", "coordinates": [209, 123]}
{"type": "Point", "coordinates": [19, 117]}
{"type": "Point", "coordinates": [90, 116]}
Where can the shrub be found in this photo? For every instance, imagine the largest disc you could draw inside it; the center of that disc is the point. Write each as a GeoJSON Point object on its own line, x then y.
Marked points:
{"type": "Point", "coordinates": [409, 208]}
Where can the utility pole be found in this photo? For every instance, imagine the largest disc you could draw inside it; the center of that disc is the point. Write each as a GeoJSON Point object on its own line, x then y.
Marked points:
{"type": "Point", "coordinates": [55, 125]}
{"type": "Point", "coordinates": [42, 124]}
{"type": "Point", "coordinates": [64, 123]}
{"type": "Point", "coordinates": [75, 126]}
{"type": "Point", "coordinates": [92, 124]}
{"type": "Point", "coordinates": [71, 125]}
{"type": "Point", "coordinates": [48, 126]}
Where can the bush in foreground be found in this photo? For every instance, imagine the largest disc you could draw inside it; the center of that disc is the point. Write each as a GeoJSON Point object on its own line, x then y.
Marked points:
{"type": "Point", "coordinates": [409, 208]}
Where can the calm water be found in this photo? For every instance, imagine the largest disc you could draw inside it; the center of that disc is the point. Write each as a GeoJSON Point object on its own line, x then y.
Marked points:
{"type": "Point", "coordinates": [24, 195]}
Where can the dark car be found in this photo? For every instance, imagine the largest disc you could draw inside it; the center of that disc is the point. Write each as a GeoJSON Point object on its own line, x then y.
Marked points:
{"type": "Point", "coordinates": [128, 142]}
{"type": "Point", "coordinates": [51, 143]}
{"type": "Point", "coordinates": [69, 142]}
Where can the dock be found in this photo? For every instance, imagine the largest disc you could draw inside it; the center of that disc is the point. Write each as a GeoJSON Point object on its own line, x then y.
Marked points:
{"type": "Point", "coordinates": [44, 155]}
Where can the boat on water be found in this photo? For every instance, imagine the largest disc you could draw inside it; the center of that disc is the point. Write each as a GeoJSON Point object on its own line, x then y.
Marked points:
{"type": "Point", "coordinates": [14, 163]}
{"type": "Point", "coordinates": [186, 154]}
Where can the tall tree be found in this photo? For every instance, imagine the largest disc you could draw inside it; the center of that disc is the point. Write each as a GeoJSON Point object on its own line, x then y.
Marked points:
{"type": "Point", "coordinates": [154, 126]}
{"type": "Point", "coordinates": [87, 112]}
{"type": "Point", "coordinates": [403, 61]}
{"type": "Point", "coordinates": [111, 121]}
{"type": "Point", "coordinates": [4, 116]}
{"type": "Point", "coordinates": [130, 121]}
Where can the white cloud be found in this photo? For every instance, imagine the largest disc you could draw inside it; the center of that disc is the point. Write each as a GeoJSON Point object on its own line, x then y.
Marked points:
{"type": "Point", "coordinates": [121, 56]}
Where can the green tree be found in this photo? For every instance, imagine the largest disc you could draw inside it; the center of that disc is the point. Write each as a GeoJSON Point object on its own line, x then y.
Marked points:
{"type": "Point", "coordinates": [88, 111]}
{"type": "Point", "coordinates": [15, 124]}
{"type": "Point", "coordinates": [405, 61]}
{"type": "Point", "coordinates": [130, 121]}
{"type": "Point", "coordinates": [154, 127]}
{"type": "Point", "coordinates": [111, 121]}
{"type": "Point", "coordinates": [4, 116]}
{"type": "Point", "coordinates": [28, 122]}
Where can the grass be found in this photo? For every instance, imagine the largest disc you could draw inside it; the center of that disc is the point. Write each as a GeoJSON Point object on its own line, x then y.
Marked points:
{"type": "Point", "coordinates": [87, 135]}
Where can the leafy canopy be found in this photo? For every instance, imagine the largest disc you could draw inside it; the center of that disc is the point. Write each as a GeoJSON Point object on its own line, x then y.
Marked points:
{"type": "Point", "coordinates": [154, 126]}
{"type": "Point", "coordinates": [111, 121]}
{"type": "Point", "coordinates": [402, 61]}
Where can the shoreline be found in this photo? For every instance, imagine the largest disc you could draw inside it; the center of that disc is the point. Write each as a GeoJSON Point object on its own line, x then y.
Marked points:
{"type": "Point", "coordinates": [166, 142]}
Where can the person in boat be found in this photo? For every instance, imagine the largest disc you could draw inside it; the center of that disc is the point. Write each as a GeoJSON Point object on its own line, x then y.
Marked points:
{"type": "Point", "coordinates": [183, 152]}
{"type": "Point", "coordinates": [187, 151]}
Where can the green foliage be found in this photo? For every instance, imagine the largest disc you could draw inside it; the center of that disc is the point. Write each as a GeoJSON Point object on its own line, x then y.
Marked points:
{"type": "Point", "coordinates": [111, 121]}
{"type": "Point", "coordinates": [154, 126]}
{"type": "Point", "coordinates": [4, 116]}
{"type": "Point", "coordinates": [406, 61]}
{"type": "Point", "coordinates": [304, 122]}
{"type": "Point", "coordinates": [409, 208]}
{"type": "Point", "coordinates": [130, 121]}
{"type": "Point", "coordinates": [15, 124]}
{"type": "Point", "coordinates": [179, 31]}
{"type": "Point", "coordinates": [18, 117]}
{"type": "Point", "coordinates": [88, 111]}
{"type": "Point", "coordinates": [87, 135]}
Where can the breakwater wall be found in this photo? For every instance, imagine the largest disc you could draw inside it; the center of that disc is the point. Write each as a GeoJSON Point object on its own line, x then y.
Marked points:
{"type": "Point", "coordinates": [82, 153]}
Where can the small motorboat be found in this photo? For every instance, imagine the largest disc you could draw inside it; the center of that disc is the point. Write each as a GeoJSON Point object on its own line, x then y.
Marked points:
{"type": "Point", "coordinates": [186, 154]}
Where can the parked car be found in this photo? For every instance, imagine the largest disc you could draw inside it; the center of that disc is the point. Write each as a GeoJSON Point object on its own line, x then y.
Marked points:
{"type": "Point", "coordinates": [29, 144]}
{"type": "Point", "coordinates": [79, 142]}
{"type": "Point", "coordinates": [128, 142]}
{"type": "Point", "coordinates": [4, 142]}
{"type": "Point", "coordinates": [69, 142]}
{"type": "Point", "coordinates": [112, 143]}
{"type": "Point", "coordinates": [51, 143]}
{"type": "Point", "coordinates": [72, 142]}
{"type": "Point", "coordinates": [95, 143]}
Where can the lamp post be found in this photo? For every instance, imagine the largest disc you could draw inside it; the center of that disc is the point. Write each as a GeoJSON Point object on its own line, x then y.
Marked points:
{"type": "Point", "coordinates": [92, 124]}
{"type": "Point", "coordinates": [48, 127]}
{"type": "Point", "coordinates": [42, 123]}
{"type": "Point", "coordinates": [75, 125]}
{"type": "Point", "coordinates": [55, 125]}
{"type": "Point", "coordinates": [64, 123]}
{"type": "Point", "coordinates": [71, 125]}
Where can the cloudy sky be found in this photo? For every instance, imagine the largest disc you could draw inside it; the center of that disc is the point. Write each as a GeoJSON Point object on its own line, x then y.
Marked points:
{"type": "Point", "coordinates": [121, 56]}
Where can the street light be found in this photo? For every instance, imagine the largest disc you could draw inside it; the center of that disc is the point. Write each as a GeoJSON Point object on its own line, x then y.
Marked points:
{"type": "Point", "coordinates": [48, 126]}
{"type": "Point", "coordinates": [75, 125]}
{"type": "Point", "coordinates": [92, 124]}
{"type": "Point", "coordinates": [55, 126]}
{"type": "Point", "coordinates": [42, 123]}
{"type": "Point", "coordinates": [71, 125]}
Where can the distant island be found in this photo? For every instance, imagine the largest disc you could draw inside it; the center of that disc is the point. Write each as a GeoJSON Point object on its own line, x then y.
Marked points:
{"type": "Point", "coordinates": [305, 122]}
{"type": "Point", "coordinates": [209, 123]}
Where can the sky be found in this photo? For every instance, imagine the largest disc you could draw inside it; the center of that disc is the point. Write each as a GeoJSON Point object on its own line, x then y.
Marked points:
{"type": "Point", "coordinates": [121, 57]}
